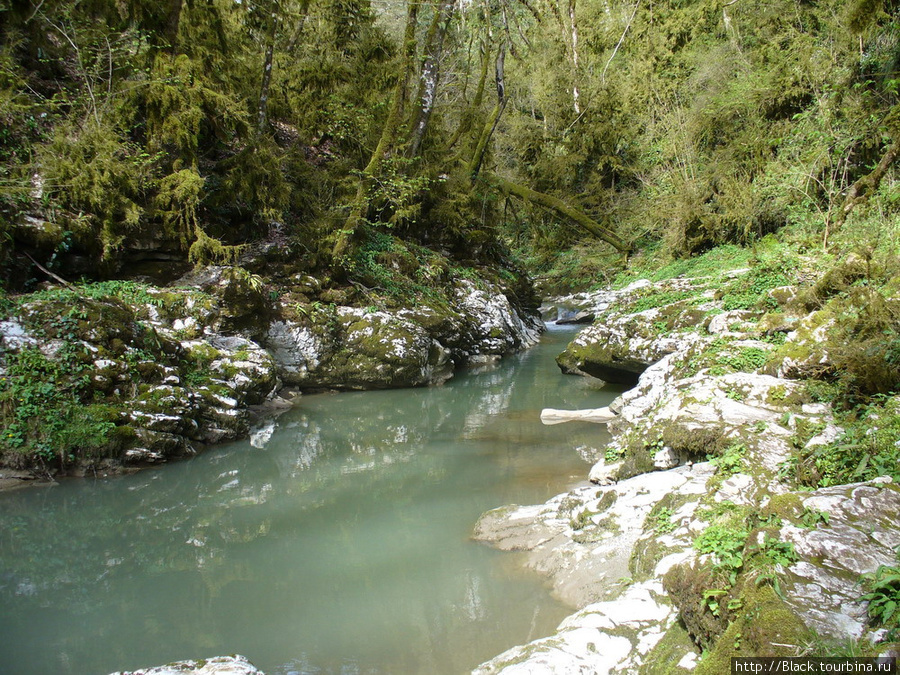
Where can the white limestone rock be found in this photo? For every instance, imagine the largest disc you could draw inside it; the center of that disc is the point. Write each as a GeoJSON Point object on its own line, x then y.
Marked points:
{"type": "Point", "coordinates": [823, 587]}
{"type": "Point", "coordinates": [14, 337]}
{"type": "Point", "coordinates": [217, 665]}
{"type": "Point", "coordinates": [583, 539]}
{"type": "Point", "coordinates": [585, 642]}
{"type": "Point", "coordinates": [494, 326]}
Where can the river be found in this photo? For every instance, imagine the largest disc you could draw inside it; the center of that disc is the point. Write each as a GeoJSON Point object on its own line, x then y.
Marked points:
{"type": "Point", "coordinates": [334, 540]}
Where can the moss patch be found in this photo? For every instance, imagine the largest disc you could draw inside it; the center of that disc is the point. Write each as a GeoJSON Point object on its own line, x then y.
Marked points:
{"type": "Point", "coordinates": [764, 626]}
{"type": "Point", "coordinates": [664, 658]}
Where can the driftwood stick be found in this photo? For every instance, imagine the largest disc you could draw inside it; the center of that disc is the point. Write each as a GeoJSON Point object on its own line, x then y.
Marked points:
{"type": "Point", "coordinates": [50, 274]}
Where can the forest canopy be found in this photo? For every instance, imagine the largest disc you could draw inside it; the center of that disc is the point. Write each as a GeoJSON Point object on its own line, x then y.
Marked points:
{"type": "Point", "coordinates": [188, 129]}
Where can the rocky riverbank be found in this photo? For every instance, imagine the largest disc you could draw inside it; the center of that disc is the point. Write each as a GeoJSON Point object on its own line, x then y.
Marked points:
{"type": "Point", "coordinates": [726, 518]}
{"type": "Point", "coordinates": [115, 375]}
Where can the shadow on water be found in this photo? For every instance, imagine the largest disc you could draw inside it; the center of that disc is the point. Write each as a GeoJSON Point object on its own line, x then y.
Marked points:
{"type": "Point", "coordinates": [335, 540]}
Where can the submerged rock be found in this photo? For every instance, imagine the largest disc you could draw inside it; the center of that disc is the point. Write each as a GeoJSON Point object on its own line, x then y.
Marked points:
{"type": "Point", "coordinates": [217, 665]}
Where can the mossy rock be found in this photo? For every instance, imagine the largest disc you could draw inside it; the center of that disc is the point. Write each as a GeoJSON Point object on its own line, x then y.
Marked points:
{"type": "Point", "coordinates": [783, 295]}
{"type": "Point", "coordinates": [443, 323]}
{"type": "Point", "coordinates": [602, 361]}
{"type": "Point", "coordinates": [686, 585]}
{"type": "Point", "coordinates": [649, 550]}
{"type": "Point", "coordinates": [788, 507]}
{"type": "Point", "coordinates": [638, 460]}
{"type": "Point", "coordinates": [852, 339]}
{"type": "Point", "coordinates": [241, 303]}
{"type": "Point", "coordinates": [776, 322]}
{"type": "Point", "coordinates": [682, 314]}
{"type": "Point", "coordinates": [805, 355]}
{"type": "Point", "coordinates": [369, 350]}
{"type": "Point", "coordinates": [764, 626]}
{"type": "Point", "coordinates": [40, 235]}
{"type": "Point", "coordinates": [695, 443]}
{"type": "Point", "coordinates": [665, 657]}
{"type": "Point", "coordinates": [836, 280]}
{"type": "Point", "coordinates": [245, 308]}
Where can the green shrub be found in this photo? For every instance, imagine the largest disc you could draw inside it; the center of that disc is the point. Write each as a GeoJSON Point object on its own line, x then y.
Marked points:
{"type": "Point", "coordinates": [883, 595]}
{"type": "Point", "coordinates": [867, 448]}
{"type": "Point", "coordinates": [726, 541]}
{"type": "Point", "coordinates": [94, 172]}
{"type": "Point", "coordinates": [731, 461]}
{"type": "Point", "coordinates": [750, 291]}
{"type": "Point", "coordinates": [44, 409]}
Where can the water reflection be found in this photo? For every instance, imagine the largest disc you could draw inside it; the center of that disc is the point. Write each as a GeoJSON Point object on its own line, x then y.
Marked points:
{"type": "Point", "coordinates": [334, 540]}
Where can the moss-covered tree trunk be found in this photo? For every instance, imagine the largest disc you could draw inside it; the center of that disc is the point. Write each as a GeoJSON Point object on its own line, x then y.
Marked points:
{"type": "Point", "coordinates": [562, 209]}
{"type": "Point", "coordinates": [428, 79]}
{"type": "Point", "coordinates": [468, 115]}
{"type": "Point", "coordinates": [861, 190]}
{"type": "Point", "coordinates": [508, 187]}
{"type": "Point", "coordinates": [360, 204]}
{"type": "Point", "coordinates": [262, 107]}
{"type": "Point", "coordinates": [491, 125]}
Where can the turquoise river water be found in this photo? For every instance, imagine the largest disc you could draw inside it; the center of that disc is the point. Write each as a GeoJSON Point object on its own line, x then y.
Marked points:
{"type": "Point", "coordinates": [336, 540]}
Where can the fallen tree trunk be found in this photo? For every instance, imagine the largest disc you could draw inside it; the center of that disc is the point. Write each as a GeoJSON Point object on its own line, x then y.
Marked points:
{"type": "Point", "coordinates": [862, 189]}
{"type": "Point", "coordinates": [550, 416]}
{"type": "Point", "coordinates": [562, 209]}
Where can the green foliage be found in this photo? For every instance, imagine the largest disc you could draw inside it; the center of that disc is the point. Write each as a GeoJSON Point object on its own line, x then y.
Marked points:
{"type": "Point", "coordinates": [749, 291]}
{"type": "Point", "coordinates": [726, 541]}
{"type": "Point", "coordinates": [662, 522]}
{"type": "Point", "coordinates": [644, 302]}
{"type": "Point", "coordinates": [730, 461]}
{"type": "Point", "coordinates": [397, 194]}
{"type": "Point", "coordinates": [95, 176]}
{"type": "Point", "coordinates": [722, 356]}
{"type": "Point", "coordinates": [401, 272]}
{"type": "Point", "coordinates": [747, 359]}
{"type": "Point", "coordinates": [866, 449]}
{"type": "Point", "coordinates": [43, 409]}
{"type": "Point", "coordinates": [256, 181]}
{"type": "Point", "coordinates": [131, 292]}
{"type": "Point", "coordinates": [865, 339]}
{"type": "Point", "coordinates": [613, 454]}
{"type": "Point", "coordinates": [773, 551]}
{"type": "Point", "coordinates": [581, 267]}
{"type": "Point", "coordinates": [883, 595]}
{"type": "Point", "coordinates": [179, 100]}
{"type": "Point", "coordinates": [177, 201]}
{"type": "Point", "coordinates": [651, 264]}
{"type": "Point", "coordinates": [810, 518]}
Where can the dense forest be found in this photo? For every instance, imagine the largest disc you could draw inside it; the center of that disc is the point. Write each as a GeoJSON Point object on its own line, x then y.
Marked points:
{"type": "Point", "coordinates": [185, 130]}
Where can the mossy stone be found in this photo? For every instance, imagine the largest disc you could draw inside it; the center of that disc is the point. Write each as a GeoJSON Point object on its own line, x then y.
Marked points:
{"type": "Point", "coordinates": [764, 626]}
{"type": "Point", "coordinates": [599, 360]}
{"type": "Point", "coordinates": [665, 657]}
{"type": "Point", "coordinates": [686, 585]}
